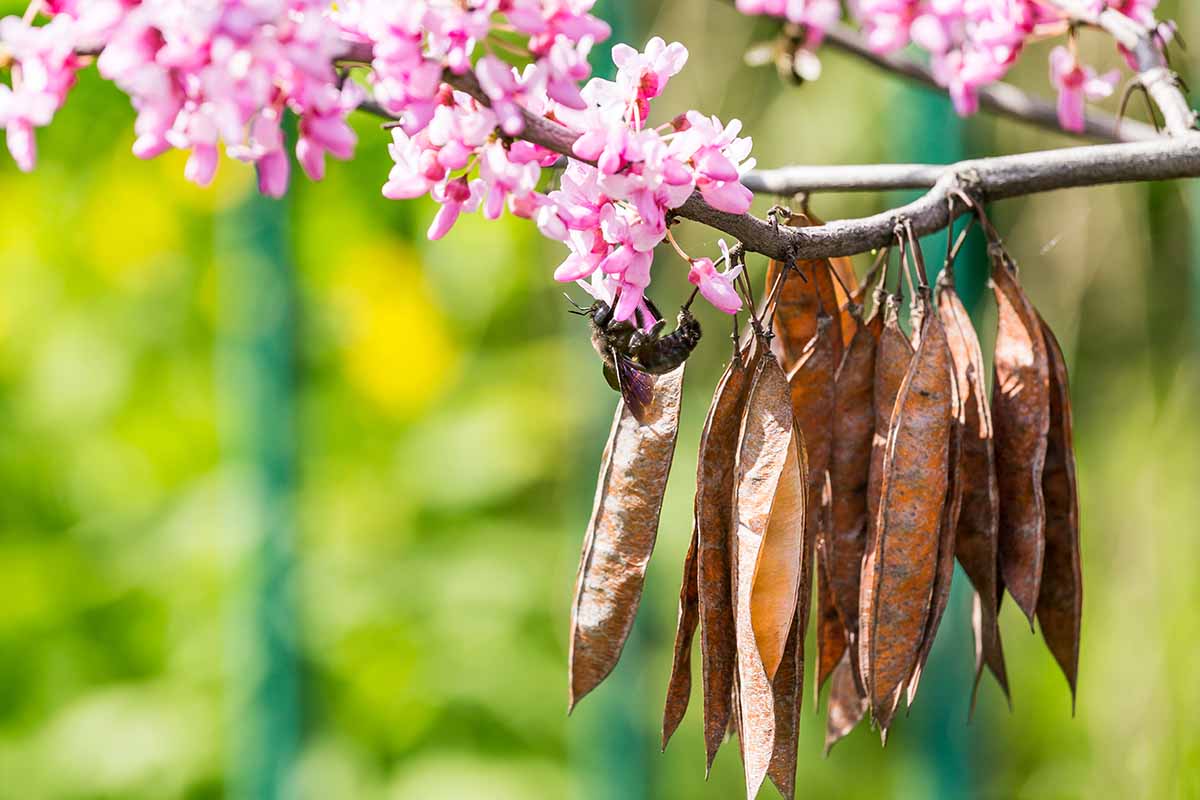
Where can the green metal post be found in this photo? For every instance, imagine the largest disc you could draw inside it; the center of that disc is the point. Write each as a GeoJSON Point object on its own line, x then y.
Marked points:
{"type": "Point", "coordinates": [614, 763]}
{"type": "Point", "coordinates": [257, 379]}
{"type": "Point", "coordinates": [936, 134]}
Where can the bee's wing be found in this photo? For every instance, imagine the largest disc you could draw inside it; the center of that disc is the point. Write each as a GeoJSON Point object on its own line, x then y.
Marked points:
{"type": "Point", "coordinates": [637, 387]}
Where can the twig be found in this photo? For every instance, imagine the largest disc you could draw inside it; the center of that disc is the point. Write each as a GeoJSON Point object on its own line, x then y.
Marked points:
{"type": "Point", "coordinates": [1154, 73]}
{"type": "Point", "coordinates": [1000, 98]}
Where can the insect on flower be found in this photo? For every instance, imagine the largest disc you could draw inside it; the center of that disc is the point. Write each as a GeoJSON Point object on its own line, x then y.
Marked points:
{"type": "Point", "coordinates": [631, 354]}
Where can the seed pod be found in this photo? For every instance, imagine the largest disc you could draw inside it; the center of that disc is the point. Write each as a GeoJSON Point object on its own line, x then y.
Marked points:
{"type": "Point", "coordinates": [940, 595]}
{"type": "Point", "coordinates": [846, 705]}
{"type": "Point", "coordinates": [679, 686]}
{"type": "Point", "coordinates": [975, 536]}
{"type": "Point", "coordinates": [850, 463]}
{"type": "Point", "coordinates": [621, 534]}
{"type": "Point", "coordinates": [806, 292]}
{"type": "Point", "coordinates": [787, 691]}
{"type": "Point", "coordinates": [769, 507]}
{"type": "Point", "coordinates": [1021, 409]}
{"type": "Point", "coordinates": [812, 387]}
{"type": "Point", "coordinates": [1060, 602]}
{"type": "Point", "coordinates": [714, 523]}
{"type": "Point", "coordinates": [831, 633]}
{"type": "Point", "coordinates": [893, 356]}
{"type": "Point", "coordinates": [845, 285]}
{"type": "Point", "coordinates": [904, 560]}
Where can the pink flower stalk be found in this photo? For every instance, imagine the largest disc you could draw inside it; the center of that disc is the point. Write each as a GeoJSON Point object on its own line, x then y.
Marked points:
{"type": "Point", "coordinates": [1076, 85]}
{"type": "Point", "coordinates": [715, 286]}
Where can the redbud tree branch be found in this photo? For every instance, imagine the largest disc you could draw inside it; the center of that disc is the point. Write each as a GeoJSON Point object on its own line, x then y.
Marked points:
{"type": "Point", "coordinates": [1146, 47]}
{"type": "Point", "coordinates": [985, 179]}
{"type": "Point", "coordinates": [996, 178]}
{"type": "Point", "coordinates": [1000, 98]}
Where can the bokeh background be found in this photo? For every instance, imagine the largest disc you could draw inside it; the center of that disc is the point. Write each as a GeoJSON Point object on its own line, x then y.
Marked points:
{"type": "Point", "coordinates": [291, 499]}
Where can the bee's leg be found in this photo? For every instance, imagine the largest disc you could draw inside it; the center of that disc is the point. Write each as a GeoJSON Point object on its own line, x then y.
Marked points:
{"type": "Point", "coordinates": [640, 338]}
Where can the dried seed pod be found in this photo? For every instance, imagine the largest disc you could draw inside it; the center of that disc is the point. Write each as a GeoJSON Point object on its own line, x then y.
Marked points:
{"type": "Point", "coordinates": [893, 355]}
{"type": "Point", "coordinates": [714, 522]}
{"type": "Point", "coordinates": [940, 595]}
{"type": "Point", "coordinates": [904, 559]}
{"type": "Point", "coordinates": [621, 534]}
{"type": "Point", "coordinates": [846, 704]}
{"type": "Point", "coordinates": [975, 537]}
{"type": "Point", "coordinates": [1060, 602]}
{"type": "Point", "coordinates": [805, 293]}
{"type": "Point", "coordinates": [812, 387]}
{"type": "Point", "coordinates": [1021, 410]}
{"type": "Point", "coordinates": [786, 697]}
{"type": "Point", "coordinates": [769, 506]}
{"type": "Point", "coordinates": [831, 633]}
{"type": "Point", "coordinates": [849, 468]}
{"type": "Point", "coordinates": [679, 686]}
{"type": "Point", "coordinates": [845, 286]}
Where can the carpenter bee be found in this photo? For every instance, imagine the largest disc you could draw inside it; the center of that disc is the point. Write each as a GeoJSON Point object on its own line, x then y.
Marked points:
{"type": "Point", "coordinates": [632, 355]}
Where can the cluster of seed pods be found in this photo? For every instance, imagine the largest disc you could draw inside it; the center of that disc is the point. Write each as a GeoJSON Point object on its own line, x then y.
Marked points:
{"type": "Point", "coordinates": [845, 458]}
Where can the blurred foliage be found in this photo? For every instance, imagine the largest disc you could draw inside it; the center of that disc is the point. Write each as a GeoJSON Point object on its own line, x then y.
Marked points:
{"type": "Point", "coordinates": [451, 419]}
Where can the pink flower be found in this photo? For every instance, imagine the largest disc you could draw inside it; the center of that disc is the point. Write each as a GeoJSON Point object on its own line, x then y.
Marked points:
{"type": "Point", "coordinates": [1077, 84]}
{"type": "Point", "coordinates": [454, 196]}
{"type": "Point", "coordinates": [717, 287]}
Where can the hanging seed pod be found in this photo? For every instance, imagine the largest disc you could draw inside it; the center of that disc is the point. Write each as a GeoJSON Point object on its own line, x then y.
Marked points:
{"type": "Point", "coordinates": [714, 523]}
{"type": "Point", "coordinates": [831, 633]}
{"type": "Point", "coordinates": [904, 558]}
{"type": "Point", "coordinates": [893, 356]}
{"type": "Point", "coordinates": [1021, 410]}
{"type": "Point", "coordinates": [845, 286]}
{"type": "Point", "coordinates": [769, 509]}
{"type": "Point", "coordinates": [621, 534]}
{"type": "Point", "coordinates": [1060, 602]}
{"type": "Point", "coordinates": [679, 686]}
{"type": "Point", "coordinates": [846, 704]}
{"type": "Point", "coordinates": [807, 292]}
{"type": "Point", "coordinates": [849, 469]}
{"type": "Point", "coordinates": [811, 382]}
{"type": "Point", "coordinates": [975, 536]}
{"type": "Point", "coordinates": [940, 595]}
{"type": "Point", "coordinates": [787, 688]}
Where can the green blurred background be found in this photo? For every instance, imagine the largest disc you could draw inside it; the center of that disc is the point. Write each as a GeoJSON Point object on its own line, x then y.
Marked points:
{"type": "Point", "coordinates": [292, 499]}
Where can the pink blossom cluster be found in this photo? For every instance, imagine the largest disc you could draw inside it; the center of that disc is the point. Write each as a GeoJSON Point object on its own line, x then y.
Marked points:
{"type": "Point", "coordinates": [613, 199]}
{"type": "Point", "coordinates": [198, 75]}
{"type": "Point", "coordinates": [971, 43]}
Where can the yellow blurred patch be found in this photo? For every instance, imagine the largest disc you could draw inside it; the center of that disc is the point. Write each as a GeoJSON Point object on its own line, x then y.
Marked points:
{"type": "Point", "coordinates": [397, 349]}
{"type": "Point", "coordinates": [128, 226]}
{"type": "Point", "coordinates": [234, 180]}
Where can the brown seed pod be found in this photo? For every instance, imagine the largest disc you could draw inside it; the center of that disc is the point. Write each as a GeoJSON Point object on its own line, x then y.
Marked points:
{"type": "Point", "coordinates": [812, 387]}
{"type": "Point", "coordinates": [849, 468]}
{"type": "Point", "coordinates": [769, 507]}
{"type": "Point", "coordinates": [804, 294]}
{"type": "Point", "coordinates": [831, 633]}
{"type": "Point", "coordinates": [714, 522]}
{"type": "Point", "coordinates": [621, 534]}
{"type": "Point", "coordinates": [940, 595]}
{"type": "Point", "coordinates": [1060, 602]}
{"type": "Point", "coordinates": [975, 537]}
{"type": "Point", "coordinates": [845, 286]}
{"type": "Point", "coordinates": [893, 354]}
{"type": "Point", "coordinates": [1021, 410]}
{"type": "Point", "coordinates": [787, 688]}
{"type": "Point", "coordinates": [679, 686]}
{"type": "Point", "coordinates": [846, 704]}
{"type": "Point", "coordinates": [904, 558]}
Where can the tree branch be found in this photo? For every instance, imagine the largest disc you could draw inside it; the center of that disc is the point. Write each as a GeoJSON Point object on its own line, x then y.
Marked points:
{"type": "Point", "coordinates": [1000, 98]}
{"type": "Point", "coordinates": [1154, 73]}
{"type": "Point", "coordinates": [986, 178]}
